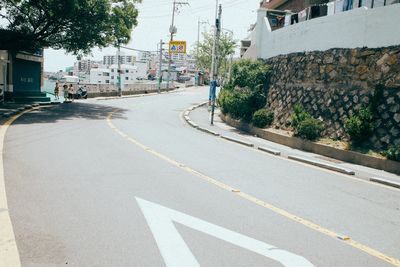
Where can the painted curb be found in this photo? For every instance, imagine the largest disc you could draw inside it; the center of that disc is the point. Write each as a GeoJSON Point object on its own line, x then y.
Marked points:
{"type": "Point", "coordinates": [385, 182]}
{"type": "Point", "coordinates": [237, 141]}
{"type": "Point", "coordinates": [269, 150]}
{"type": "Point", "coordinates": [322, 165]}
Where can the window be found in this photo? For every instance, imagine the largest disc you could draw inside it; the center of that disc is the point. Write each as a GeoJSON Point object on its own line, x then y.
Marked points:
{"type": "Point", "coordinates": [107, 81]}
{"type": "Point", "coordinates": [127, 78]}
{"type": "Point", "coordinates": [126, 71]}
{"type": "Point", "coordinates": [112, 77]}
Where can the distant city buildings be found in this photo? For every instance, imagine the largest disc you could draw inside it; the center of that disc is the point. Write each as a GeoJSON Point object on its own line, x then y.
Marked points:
{"type": "Point", "coordinates": [109, 75]}
{"type": "Point", "coordinates": [124, 59]}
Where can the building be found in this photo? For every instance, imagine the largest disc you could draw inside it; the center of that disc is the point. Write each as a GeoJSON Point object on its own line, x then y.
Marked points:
{"type": "Point", "coordinates": [124, 59]}
{"type": "Point", "coordinates": [144, 56]}
{"type": "Point", "coordinates": [84, 66]}
{"type": "Point", "coordinates": [109, 75]}
{"type": "Point", "coordinates": [321, 27]}
{"type": "Point", "coordinates": [21, 76]}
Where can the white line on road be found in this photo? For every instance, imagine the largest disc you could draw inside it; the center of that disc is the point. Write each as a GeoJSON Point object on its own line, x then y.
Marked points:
{"type": "Point", "coordinates": [175, 251]}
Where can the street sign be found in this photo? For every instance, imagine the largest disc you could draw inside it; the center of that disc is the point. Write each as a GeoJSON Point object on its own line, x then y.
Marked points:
{"type": "Point", "coordinates": [175, 251]}
{"type": "Point", "coordinates": [177, 47]}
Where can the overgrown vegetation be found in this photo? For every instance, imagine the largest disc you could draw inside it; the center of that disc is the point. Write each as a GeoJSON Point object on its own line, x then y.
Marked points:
{"type": "Point", "coordinates": [246, 91]}
{"type": "Point", "coordinates": [241, 103]}
{"type": "Point", "coordinates": [262, 118]}
{"type": "Point", "coordinates": [360, 126]}
{"type": "Point", "coordinates": [246, 73]}
{"type": "Point", "coordinates": [393, 153]}
{"type": "Point", "coordinates": [305, 125]}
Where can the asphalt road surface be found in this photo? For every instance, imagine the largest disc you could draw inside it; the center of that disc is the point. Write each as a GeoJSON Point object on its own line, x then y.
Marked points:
{"type": "Point", "coordinates": [126, 182]}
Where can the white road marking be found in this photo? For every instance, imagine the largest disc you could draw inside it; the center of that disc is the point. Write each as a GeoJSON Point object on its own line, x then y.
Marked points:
{"type": "Point", "coordinates": [175, 251]}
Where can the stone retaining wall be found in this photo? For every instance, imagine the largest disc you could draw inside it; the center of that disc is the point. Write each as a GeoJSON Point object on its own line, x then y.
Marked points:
{"type": "Point", "coordinates": [333, 84]}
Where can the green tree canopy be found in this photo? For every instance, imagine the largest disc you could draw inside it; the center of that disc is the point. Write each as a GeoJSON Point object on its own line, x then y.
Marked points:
{"type": "Point", "coordinates": [74, 25]}
{"type": "Point", "coordinates": [227, 47]}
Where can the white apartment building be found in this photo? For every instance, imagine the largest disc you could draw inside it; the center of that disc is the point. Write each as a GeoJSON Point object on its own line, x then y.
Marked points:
{"type": "Point", "coordinates": [124, 59]}
{"type": "Point", "coordinates": [144, 56]}
{"type": "Point", "coordinates": [109, 75]}
{"type": "Point", "coordinates": [84, 66]}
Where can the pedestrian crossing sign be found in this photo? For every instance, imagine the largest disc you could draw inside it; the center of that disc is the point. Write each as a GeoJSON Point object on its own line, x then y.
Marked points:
{"type": "Point", "coordinates": [177, 47]}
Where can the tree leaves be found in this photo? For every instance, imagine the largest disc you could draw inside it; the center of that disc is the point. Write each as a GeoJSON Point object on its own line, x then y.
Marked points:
{"type": "Point", "coordinates": [74, 25]}
{"type": "Point", "coordinates": [226, 48]}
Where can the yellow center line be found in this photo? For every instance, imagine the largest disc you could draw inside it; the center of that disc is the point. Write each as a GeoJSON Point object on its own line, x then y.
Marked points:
{"type": "Point", "coordinates": [282, 212]}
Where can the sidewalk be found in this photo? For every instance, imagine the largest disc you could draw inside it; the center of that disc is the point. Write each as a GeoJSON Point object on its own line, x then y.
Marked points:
{"type": "Point", "coordinates": [201, 117]}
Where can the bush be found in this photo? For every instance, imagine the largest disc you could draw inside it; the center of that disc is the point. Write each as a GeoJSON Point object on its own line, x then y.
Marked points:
{"type": "Point", "coordinates": [253, 74]}
{"type": "Point", "coordinates": [309, 128]}
{"type": "Point", "coordinates": [393, 153]}
{"type": "Point", "coordinates": [299, 115]}
{"type": "Point", "coordinates": [360, 126]}
{"type": "Point", "coordinates": [304, 124]}
{"type": "Point", "coordinates": [263, 117]}
{"type": "Point", "coordinates": [241, 104]}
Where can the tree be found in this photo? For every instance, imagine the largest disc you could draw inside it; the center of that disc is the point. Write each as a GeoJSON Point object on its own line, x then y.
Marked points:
{"type": "Point", "coordinates": [74, 25]}
{"type": "Point", "coordinates": [226, 48]}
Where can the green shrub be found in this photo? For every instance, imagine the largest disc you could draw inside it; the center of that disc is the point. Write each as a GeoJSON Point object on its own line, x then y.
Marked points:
{"type": "Point", "coordinates": [262, 117]}
{"type": "Point", "coordinates": [241, 104]}
{"type": "Point", "coordinates": [393, 153]}
{"type": "Point", "coordinates": [253, 74]}
{"type": "Point", "coordinates": [304, 124]}
{"type": "Point", "coordinates": [309, 128]}
{"type": "Point", "coordinates": [299, 115]}
{"type": "Point", "coordinates": [360, 126]}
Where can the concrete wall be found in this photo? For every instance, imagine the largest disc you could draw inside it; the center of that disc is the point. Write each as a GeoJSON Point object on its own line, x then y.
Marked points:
{"type": "Point", "coordinates": [359, 27]}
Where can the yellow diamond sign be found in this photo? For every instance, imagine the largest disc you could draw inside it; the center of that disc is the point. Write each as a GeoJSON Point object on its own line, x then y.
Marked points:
{"type": "Point", "coordinates": [177, 47]}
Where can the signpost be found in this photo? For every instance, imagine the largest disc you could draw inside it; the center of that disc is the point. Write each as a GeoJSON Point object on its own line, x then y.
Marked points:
{"type": "Point", "coordinates": [177, 47]}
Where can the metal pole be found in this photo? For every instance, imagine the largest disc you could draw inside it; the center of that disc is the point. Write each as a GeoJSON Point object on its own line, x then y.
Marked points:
{"type": "Point", "coordinates": [171, 39]}
{"type": "Point", "coordinates": [160, 68]}
{"type": "Point", "coordinates": [119, 71]}
{"type": "Point", "coordinates": [197, 51]}
{"type": "Point", "coordinates": [215, 74]}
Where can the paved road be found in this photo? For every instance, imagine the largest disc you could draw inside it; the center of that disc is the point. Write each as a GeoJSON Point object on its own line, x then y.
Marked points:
{"type": "Point", "coordinates": [128, 183]}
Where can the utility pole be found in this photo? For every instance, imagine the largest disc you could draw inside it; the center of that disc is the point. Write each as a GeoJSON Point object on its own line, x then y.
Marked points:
{"type": "Point", "coordinates": [213, 84]}
{"type": "Point", "coordinates": [199, 22]}
{"type": "Point", "coordinates": [172, 30]}
{"type": "Point", "coordinates": [160, 67]}
{"type": "Point", "coordinates": [119, 70]}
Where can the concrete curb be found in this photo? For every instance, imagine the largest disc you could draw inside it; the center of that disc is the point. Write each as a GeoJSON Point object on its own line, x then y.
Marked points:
{"type": "Point", "coordinates": [208, 131]}
{"type": "Point", "coordinates": [237, 141]}
{"type": "Point", "coordinates": [140, 94]}
{"type": "Point", "coordinates": [322, 165]}
{"type": "Point", "coordinates": [269, 150]}
{"type": "Point", "coordinates": [385, 182]}
{"type": "Point", "coordinates": [194, 125]}
{"type": "Point", "coordinates": [305, 145]}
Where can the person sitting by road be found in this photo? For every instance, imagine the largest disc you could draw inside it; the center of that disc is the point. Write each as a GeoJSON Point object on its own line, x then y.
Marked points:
{"type": "Point", "coordinates": [71, 92]}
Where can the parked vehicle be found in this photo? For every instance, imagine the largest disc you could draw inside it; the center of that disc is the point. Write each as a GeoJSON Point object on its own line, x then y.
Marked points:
{"type": "Point", "coordinates": [81, 93]}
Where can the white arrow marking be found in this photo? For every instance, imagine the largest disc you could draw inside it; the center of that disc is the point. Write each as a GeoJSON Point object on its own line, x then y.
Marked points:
{"type": "Point", "coordinates": [175, 251]}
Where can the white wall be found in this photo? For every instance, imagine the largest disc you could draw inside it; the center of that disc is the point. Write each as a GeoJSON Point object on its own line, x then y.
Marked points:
{"type": "Point", "coordinates": [361, 27]}
{"type": "Point", "coordinates": [142, 68]}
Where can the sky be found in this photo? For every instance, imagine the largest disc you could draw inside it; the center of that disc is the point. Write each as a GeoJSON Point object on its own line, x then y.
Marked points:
{"type": "Point", "coordinates": [154, 19]}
